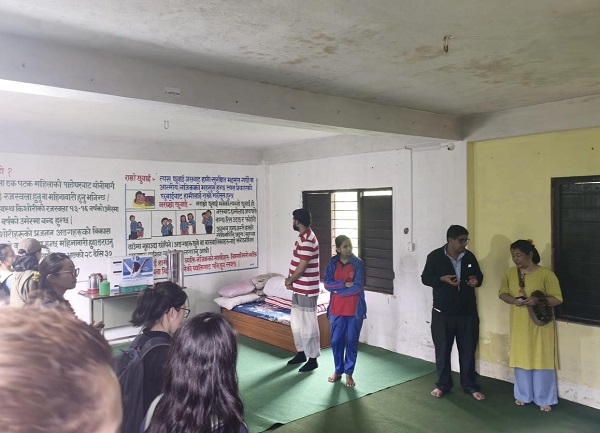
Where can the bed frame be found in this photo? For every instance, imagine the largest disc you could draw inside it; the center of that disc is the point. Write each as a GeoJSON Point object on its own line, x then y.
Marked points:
{"type": "Point", "coordinates": [276, 334]}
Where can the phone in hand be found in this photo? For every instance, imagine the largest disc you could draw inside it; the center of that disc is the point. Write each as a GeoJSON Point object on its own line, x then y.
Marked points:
{"type": "Point", "coordinates": [520, 300]}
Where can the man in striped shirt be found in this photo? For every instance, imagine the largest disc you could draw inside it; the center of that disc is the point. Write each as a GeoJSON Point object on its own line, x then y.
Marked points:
{"type": "Point", "coordinates": [303, 280]}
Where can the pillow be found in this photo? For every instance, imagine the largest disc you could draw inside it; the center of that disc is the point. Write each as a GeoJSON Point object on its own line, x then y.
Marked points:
{"type": "Point", "coordinates": [229, 303]}
{"type": "Point", "coordinates": [260, 280]}
{"type": "Point", "coordinates": [237, 289]}
{"type": "Point", "coordinates": [276, 287]}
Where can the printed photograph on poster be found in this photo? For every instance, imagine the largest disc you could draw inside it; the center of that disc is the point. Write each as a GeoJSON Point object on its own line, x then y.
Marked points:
{"type": "Point", "coordinates": [138, 267]}
{"type": "Point", "coordinates": [140, 199]}
{"type": "Point", "coordinates": [132, 271]}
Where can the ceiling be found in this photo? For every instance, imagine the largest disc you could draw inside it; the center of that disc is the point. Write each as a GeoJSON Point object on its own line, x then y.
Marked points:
{"type": "Point", "coordinates": [502, 55]}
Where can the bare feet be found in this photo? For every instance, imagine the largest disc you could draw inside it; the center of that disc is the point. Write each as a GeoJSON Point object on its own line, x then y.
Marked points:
{"type": "Point", "coordinates": [349, 381]}
{"type": "Point", "coordinates": [334, 378]}
{"type": "Point", "coordinates": [478, 395]}
{"type": "Point", "coordinates": [519, 403]}
{"type": "Point", "coordinates": [545, 408]}
{"type": "Point", "coordinates": [437, 393]}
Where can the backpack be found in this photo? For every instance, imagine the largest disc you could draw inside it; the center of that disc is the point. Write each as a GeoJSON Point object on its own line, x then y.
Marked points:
{"type": "Point", "coordinates": [129, 367]}
{"type": "Point", "coordinates": [22, 285]}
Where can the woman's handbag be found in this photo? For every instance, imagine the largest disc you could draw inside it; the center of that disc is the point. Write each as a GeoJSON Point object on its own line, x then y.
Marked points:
{"type": "Point", "coordinates": [541, 314]}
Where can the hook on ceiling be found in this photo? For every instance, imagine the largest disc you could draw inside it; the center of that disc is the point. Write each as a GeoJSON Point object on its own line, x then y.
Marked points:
{"type": "Point", "coordinates": [446, 41]}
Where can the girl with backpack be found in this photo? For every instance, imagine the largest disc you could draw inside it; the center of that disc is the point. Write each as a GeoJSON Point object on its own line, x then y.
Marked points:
{"type": "Point", "coordinates": [160, 311]}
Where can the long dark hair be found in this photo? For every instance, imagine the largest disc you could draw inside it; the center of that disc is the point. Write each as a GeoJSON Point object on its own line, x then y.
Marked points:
{"type": "Point", "coordinates": [155, 301]}
{"type": "Point", "coordinates": [526, 247]}
{"type": "Point", "coordinates": [201, 386]}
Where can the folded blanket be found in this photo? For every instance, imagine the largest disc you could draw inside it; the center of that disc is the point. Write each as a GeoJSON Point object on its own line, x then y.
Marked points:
{"type": "Point", "coordinates": [278, 302]}
{"type": "Point", "coordinates": [284, 303]}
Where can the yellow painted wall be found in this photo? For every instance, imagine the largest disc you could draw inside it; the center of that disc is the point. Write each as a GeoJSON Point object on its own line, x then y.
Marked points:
{"type": "Point", "coordinates": [510, 199]}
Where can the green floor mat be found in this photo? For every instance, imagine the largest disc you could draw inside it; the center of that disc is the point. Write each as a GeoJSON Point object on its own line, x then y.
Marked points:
{"type": "Point", "coordinates": [275, 393]}
{"type": "Point", "coordinates": [409, 408]}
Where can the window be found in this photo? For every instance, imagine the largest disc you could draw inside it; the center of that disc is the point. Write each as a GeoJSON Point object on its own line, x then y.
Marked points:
{"type": "Point", "coordinates": [576, 246]}
{"type": "Point", "coordinates": [366, 217]}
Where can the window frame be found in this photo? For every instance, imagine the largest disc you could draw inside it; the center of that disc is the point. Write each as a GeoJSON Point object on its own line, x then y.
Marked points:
{"type": "Point", "coordinates": [377, 279]}
{"type": "Point", "coordinates": [575, 260]}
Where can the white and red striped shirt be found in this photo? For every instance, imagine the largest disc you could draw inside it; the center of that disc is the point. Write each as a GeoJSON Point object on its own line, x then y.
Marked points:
{"type": "Point", "coordinates": [306, 248]}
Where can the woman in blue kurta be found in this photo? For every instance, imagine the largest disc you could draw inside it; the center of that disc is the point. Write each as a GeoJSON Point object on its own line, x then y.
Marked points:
{"type": "Point", "coordinates": [347, 307]}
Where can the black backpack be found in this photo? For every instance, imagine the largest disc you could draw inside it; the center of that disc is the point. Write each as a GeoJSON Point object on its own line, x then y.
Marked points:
{"type": "Point", "coordinates": [129, 367]}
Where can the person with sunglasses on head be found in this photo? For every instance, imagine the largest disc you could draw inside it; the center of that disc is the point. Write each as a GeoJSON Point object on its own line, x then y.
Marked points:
{"type": "Point", "coordinates": [453, 272]}
{"type": "Point", "coordinates": [160, 311]}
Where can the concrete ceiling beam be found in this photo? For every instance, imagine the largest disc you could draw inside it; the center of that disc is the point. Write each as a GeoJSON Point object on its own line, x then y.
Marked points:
{"type": "Point", "coordinates": [72, 72]}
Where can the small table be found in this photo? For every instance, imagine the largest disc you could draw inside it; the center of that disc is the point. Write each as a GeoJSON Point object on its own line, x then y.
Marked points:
{"type": "Point", "coordinates": [114, 309]}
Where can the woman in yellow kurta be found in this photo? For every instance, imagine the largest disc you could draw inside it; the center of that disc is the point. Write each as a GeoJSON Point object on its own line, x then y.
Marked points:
{"type": "Point", "coordinates": [532, 347]}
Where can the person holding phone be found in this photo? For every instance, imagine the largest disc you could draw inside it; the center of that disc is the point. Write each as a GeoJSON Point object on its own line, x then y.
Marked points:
{"type": "Point", "coordinates": [453, 272]}
{"type": "Point", "coordinates": [532, 347]}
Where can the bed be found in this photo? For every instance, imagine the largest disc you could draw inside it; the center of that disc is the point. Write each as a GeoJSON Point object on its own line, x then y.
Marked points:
{"type": "Point", "coordinates": [271, 324]}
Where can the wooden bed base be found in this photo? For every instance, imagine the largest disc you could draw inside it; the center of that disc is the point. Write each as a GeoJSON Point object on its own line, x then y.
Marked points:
{"type": "Point", "coordinates": [273, 333]}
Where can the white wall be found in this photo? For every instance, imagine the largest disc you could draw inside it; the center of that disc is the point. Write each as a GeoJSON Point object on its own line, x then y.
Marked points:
{"type": "Point", "coordinates": [429, 190]}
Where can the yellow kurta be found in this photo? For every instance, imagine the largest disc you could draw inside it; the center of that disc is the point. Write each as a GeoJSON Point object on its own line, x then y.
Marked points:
{"type": "Point", "coordinates": [532, 347]}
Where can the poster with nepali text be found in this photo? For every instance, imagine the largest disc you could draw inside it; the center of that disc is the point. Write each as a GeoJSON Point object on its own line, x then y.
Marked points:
{"type": "Point", "coordinates": [94, 209]}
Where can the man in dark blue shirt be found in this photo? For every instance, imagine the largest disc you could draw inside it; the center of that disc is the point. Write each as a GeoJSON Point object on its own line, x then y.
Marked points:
{"type": "Point", "coordinates": [453, 272]}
